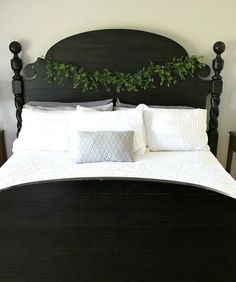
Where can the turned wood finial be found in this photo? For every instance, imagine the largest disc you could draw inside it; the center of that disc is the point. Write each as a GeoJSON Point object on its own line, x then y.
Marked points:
{"type": "Point", "coordinates": [218, 62]}
{"type": "Point", "coordinates": [219, 47]}
{"type": "Point", "coordinates": [15, 47]}
{"type": "Point", "coordinates": [217, 86]}
{"type": "Point", "coordinates": [17, 84]}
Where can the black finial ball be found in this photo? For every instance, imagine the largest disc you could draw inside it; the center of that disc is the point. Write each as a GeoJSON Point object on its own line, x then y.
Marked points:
{"type": "Point", "coordinates": [219, 47]}
{"type": "Point", "coordinates": [15, 47]}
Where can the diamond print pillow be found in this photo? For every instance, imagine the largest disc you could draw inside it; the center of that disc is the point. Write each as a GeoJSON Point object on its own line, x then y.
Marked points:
{"type": "Point", "coordinates": [104, 146]}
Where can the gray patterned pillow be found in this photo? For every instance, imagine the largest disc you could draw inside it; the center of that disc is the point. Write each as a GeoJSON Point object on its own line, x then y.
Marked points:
{"type": "Point", "coordinates": [105, 146]}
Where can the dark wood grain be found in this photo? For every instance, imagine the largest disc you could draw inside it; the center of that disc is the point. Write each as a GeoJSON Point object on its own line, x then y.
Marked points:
{"type": "Point", "coordinates": [17, 82]}
{"type": "Point", "coordinates": [136, 231]}
{"type": "Point", "coordinates": [217, 85]}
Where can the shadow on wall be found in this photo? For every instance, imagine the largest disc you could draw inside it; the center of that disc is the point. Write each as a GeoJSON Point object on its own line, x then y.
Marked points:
{"type": "Point", "coordinates": [24, 54]}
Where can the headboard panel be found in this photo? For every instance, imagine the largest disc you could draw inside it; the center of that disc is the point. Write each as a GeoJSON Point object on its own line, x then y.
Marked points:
{"type": "Point", "coordinates": [117, 50]}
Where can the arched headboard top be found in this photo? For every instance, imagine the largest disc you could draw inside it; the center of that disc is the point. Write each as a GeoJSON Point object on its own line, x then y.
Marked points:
{"type": "Point", "coordinates": [116, 49]}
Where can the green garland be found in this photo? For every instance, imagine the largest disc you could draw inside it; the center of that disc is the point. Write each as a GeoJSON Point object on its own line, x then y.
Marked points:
{"type": "Point", "coordinates": [178, 68]}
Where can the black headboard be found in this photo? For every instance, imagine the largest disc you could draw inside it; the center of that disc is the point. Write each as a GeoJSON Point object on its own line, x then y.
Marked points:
{"type": "Point", "coordinates": [119, 50]}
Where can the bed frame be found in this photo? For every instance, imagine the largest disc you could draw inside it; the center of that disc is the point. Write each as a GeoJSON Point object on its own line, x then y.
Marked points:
{"type": "Point", "coordinates": [125, 51]}
{"type": "Point", "coordinates": [113, 230]}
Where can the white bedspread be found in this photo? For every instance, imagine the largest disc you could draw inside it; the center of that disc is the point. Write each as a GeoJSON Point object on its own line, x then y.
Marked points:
{"type": "Point", "coordinates": [199, 168]}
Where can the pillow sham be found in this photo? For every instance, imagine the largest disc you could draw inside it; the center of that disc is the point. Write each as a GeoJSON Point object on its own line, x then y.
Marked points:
{"type": "Point", "coordinates": [89, 120]}
{"type": "Point", "coordinates": [47, 128]}
{"type": "Point", "coordinates": [175, 129]}
{"type": "Point", "coordinates": [43, 130]}
{"type": "Point", "coordinates": [104, 146]}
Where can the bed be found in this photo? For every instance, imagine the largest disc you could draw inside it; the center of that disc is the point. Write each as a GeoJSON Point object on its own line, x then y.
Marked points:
{"type": "Point", "coordinates": [168, 216]}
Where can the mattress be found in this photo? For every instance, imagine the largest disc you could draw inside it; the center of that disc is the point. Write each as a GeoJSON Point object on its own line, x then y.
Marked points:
{"type": "Point", "coordinates": [198, 168]}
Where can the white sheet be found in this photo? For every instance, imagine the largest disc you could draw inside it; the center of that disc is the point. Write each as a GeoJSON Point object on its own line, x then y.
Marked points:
{"type": "Point", "coordinates": [199, 168]}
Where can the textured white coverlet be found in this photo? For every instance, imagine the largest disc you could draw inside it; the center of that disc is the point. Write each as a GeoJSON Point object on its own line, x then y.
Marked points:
{"type": "Point", "coordinates": [198, 168]}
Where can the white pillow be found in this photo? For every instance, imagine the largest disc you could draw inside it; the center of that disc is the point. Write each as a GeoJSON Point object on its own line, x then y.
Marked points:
{"type": "Point", "coordinates": [176, 129]}
{"type": "Point", "coordinates": [89, 120]}
{"type": "Point", "coordinates": [43, 130]}
{"type": "Point", "coordinates": [46, 128]}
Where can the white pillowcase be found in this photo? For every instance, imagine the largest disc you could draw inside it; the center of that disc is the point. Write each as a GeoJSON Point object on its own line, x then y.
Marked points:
{"type": "Point", "coordinates": [46, 128]}
{"type": "Point", "coordinates": [176, 129]}
{"type": "Point", "coordinates": [89, 120]}
{"type": "Point", "coordinates": [43, 130]}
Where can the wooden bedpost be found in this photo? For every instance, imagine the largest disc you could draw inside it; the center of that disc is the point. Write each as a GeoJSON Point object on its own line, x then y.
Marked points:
{"type": "Point", "coordinates": [217, 85]}
{"type": "Point", "coordinates": [17, 82]}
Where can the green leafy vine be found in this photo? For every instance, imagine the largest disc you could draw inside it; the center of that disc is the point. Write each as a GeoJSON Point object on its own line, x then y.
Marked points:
{"type": "Point", "coordinates": [168, 74]}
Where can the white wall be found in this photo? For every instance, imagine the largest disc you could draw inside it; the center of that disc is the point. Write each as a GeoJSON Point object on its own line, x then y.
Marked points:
{"type": "Point", "coordinates": [194, 24]}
